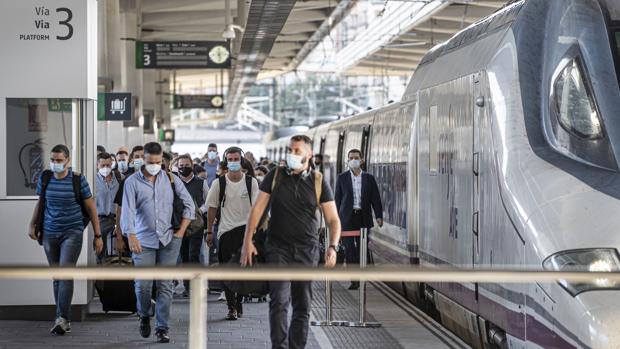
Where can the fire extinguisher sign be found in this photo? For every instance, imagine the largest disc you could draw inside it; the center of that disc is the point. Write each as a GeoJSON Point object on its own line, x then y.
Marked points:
{"type": "Point", "coordinates": [116, 107]}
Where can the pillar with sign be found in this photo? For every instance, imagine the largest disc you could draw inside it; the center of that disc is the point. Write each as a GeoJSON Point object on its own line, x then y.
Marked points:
{"type": "Point", "coordinates": [48, 94]}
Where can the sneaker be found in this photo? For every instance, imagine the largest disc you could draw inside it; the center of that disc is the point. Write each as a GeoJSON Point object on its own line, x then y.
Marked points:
{"type": "Point", "coordinates": [222, 297]}
{"type": "Point", "coordinates": [145, 326]}
{"type": "Point", "coordinates": [232, 315]}
{"type": "Point", "coordinates": [60, 327]}
{"type": "Point", "coordinates": [68, 327]}
{"type": "Point", "coordinates": [162, 336]}
{"type": "Point", "coordinates": [239, 310]}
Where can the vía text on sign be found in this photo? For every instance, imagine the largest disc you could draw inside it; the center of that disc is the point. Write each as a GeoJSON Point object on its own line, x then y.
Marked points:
{"type": "Point", "coordinates": [41, 22]}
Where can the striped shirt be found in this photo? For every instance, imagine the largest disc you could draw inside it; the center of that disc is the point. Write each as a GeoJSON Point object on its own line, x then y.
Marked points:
{"type": "Point", "coordinates": [62, 211]}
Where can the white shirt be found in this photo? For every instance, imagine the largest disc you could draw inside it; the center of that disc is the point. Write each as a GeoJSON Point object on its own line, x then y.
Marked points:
{"type": "Point", "coordinates": [357, 190]}
{"type": "Point", "coordinates": [236, 208]}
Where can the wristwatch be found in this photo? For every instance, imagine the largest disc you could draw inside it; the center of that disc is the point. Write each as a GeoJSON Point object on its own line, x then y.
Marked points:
{"type": "Point", "coordinates": [335, 247]}
{"type": "Point", "coordinates": [98, 236]}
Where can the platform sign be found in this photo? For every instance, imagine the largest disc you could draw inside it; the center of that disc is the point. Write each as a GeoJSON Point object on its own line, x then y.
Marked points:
{"type": "Point", "coordinates": [114, 107]}
{"type": "Point", "coordinates": [182, 55]}
{"type": "Point", "coordinates": [198, 102]}
{"type": "Point", "coordinates": [49, 48]}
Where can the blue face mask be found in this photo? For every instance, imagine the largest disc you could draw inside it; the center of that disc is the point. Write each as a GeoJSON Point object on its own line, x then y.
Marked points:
{"type": "Point", "coordinates": [56, 168]}
{"type": "Point", "coordinates": [234, 166]}
{"type": "Point", "coordinates": [137, 164]}
{"type": "Point", "coordinates": [212, 155]}
{"type": "Point", "coordinates": [122, 166]}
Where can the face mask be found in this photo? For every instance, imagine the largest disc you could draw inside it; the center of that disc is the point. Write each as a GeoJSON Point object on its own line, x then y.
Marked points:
{"type": "Point", "coordinates": [122, 166]}
{"type": "Point", "coordinates": [185, 171]}
{"type": "Point", "coordinates": [105, 171]}
{"type": "Point", "coordinates": [212, 155]}
{"type": "Point", "coordinates": [260, 178]}
{"type": "Point", "coordinates": [234, 166]}
{"type": "Point", "coordinates": [354, 164]}
{"type": "Point", "coordinates": [113, 164]}
{"type": "Point", "coordinates": [153, 169]}
{"type": "Point", "coordinates": [294, 162]}
{"type": "Point", "coordinates": [175, 169]}
{"type": "Point", "coordinates": [56, 168]}
{"type": "Point", "coordinates": [137, 163]}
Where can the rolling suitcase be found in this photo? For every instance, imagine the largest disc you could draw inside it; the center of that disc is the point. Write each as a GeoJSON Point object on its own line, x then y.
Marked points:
{"type": "Point", "coordinates": [117, 295]}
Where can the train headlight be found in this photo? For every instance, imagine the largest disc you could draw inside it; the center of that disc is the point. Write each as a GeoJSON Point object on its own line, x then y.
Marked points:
{"type": "Point", "coordinates": [594, 260]}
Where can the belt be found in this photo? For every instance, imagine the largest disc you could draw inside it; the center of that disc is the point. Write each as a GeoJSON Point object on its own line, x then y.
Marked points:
{"type": "Point", "coordinates": [357, 211]}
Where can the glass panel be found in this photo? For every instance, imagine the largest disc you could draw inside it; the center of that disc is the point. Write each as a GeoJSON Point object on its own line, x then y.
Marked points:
{"type": "Point", "coordinates": [34, 126]}
{"type": "Point", "coordinates": [574, 105]}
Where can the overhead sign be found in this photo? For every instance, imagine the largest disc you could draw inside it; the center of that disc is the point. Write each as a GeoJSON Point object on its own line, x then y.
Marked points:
{"type": "Point", "coordinates": [114, 107]}
{"type": "Point", "coordinates": [198, 102]}
{"type": "Point", "coordinates": [182, 55]}
{"type": "Point", "coordinates": [48, 48]}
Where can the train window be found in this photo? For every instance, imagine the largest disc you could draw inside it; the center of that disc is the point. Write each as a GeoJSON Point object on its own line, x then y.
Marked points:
{"type": "Point", "coordinates": [574, 104]}
{"type": "Point", "coordinates": [433, 158]}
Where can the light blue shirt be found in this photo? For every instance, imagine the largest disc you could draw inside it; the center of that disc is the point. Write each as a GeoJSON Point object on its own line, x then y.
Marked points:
{"type": "Point", "coordinates": [106, 192]}
{"type": "Point", "coordinates": [147, 208]}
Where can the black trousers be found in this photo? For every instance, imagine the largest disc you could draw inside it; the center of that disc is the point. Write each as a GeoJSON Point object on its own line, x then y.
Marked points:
{"type": "Point", "coordinates": [229, 244]}
{"type": "Point", "coordinates": [106, 226]}
{"type": "Point", "coordinates": [190, 252]}
{"type": "Point", "coordinates": [352, 243]}
{"type": "Point", "coordinates": [282, 294]}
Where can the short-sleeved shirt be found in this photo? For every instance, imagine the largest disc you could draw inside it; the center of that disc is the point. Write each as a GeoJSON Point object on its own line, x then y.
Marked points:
{"type": "Point", "coordinates": [62, 211]}
{"type": "Point", "coordinates": [118, 199]}
{"type": "Point", "coordinates": [236, 208]}
{"type": "Point", "coordinates": [293, 206]}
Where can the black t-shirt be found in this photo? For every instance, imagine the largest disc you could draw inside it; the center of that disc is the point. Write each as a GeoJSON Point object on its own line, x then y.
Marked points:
{"type": "Point", "coordinates": [293, 207]}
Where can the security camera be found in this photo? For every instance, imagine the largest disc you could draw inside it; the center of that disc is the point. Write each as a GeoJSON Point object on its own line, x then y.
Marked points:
{"type": "Point", "coordinates": [229, 32]}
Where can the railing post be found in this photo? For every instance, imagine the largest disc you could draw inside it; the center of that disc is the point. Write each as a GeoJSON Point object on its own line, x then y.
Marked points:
{"type": "Point", "coordinates": [198, 313]}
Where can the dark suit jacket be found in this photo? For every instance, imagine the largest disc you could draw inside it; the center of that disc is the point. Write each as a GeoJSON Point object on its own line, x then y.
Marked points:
{"type": "Point", "coordinates": [370, 198]}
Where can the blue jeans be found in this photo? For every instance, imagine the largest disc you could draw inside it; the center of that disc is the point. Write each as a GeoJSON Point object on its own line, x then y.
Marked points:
{"type": "Point", "coordinates": [63, 250]}
{"type": "Point", "coordinates": [166, 256]}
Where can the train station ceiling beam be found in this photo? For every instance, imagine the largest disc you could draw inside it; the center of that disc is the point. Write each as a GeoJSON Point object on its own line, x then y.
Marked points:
{"type": "Point", "coordinates": [399, 18]}
{"type": "Point", "coordinates": [185, 17]}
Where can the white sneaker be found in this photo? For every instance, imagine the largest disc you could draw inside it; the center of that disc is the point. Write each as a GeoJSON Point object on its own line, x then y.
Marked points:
{"type": "Point", "coordinates": [60, 327]}
{"type": "Point", "coordinates": [222, 297]}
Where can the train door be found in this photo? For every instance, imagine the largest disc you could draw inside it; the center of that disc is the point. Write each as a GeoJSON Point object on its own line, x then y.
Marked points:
{"type": "Point", "coordinates": [340, 160]}
{"type": "Point", "coordinates": [478, 116]}
{"type": "Point", "coordinates": [365, 145]}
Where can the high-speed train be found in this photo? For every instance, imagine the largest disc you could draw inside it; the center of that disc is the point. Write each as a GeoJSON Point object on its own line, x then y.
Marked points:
{"type": "Point", "coordinates": [504, 152]}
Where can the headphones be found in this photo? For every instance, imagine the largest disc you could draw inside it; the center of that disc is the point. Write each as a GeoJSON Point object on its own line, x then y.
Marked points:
{"type": "Point", "coordinates": [233, 150]}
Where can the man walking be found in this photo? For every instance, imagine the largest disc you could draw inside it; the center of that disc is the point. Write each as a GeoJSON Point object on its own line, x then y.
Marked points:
{"type": "Point", "coordinates": [58, 223]}
{"type": "Point", "coordinates": [198, 189]}
{"type": "Point", "coordinates": [146, 220]}
{"type": "Point", "coordinates": [230, 200]}
{"type": "Point", "coordinates": [293, 238]}
{"type": "Point", "coordinates": [212, 163]}
{"type": "Point", "coordinates": [356, 194]}
{"type": "Point", "coordinates": [106, 186]}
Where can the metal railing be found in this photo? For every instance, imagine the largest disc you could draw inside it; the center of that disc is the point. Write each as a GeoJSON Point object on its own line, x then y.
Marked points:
{"type": "Point", "coordinates": [198, 275]}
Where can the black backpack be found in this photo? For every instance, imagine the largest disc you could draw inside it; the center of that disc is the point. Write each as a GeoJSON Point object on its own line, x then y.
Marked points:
{"type": "Point", "coordinates": [222, 198]}
{"type": "Point", "coordinates": [76, 180]}
{"type": "Point", "coordinates": [178, 206]}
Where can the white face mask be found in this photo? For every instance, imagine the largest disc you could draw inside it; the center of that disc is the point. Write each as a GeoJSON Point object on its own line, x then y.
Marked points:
{"type": "Point", "coordinates": [113, 164]}
{"type": "Point", "coordinates": [294, 162]}
{"type": "Point", "coordinates": [212, 155]}
{"type": "Point", "coordinates": [260, 178]}
{"type": "Point", "coordinates": [354, 164]}
{"type": "Point", "coordinates": [153, 169]}
{"type": "Point", "coordinates": [105, 171]}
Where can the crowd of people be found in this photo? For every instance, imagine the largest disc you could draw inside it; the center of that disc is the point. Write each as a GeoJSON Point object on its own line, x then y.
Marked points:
{"type": "Point", "coordinates": [168, 209]}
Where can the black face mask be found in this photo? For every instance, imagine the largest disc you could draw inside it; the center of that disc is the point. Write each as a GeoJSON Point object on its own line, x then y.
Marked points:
{"type": "Point", "coordinates": [185, 171]}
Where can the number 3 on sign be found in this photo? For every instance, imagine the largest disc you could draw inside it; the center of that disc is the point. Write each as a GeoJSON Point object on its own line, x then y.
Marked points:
{"type": "Point", "coordinates": [66, 23]}
{"type": "Point", "coordinates": [147, 60]}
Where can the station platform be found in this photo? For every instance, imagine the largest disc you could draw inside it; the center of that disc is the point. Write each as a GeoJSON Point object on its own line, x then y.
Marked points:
{"type": "Point", "coordinates": [403, 326]}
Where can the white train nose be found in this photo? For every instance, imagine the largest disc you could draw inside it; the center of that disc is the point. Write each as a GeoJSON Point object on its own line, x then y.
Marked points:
{"type": "Point", "coordinates": [602, 322]}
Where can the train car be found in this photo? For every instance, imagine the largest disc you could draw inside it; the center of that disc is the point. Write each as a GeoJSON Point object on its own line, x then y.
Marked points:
{"type": "Point", "coordinates": [503, 153]}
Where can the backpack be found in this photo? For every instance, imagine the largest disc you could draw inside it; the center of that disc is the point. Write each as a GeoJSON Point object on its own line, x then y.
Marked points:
{"type": "Point", "coordinates": [76, 180]}
{"type": "Point", "coordinates": [177, 206]}
{"type": "Point", "coordinates": [222, 196]}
